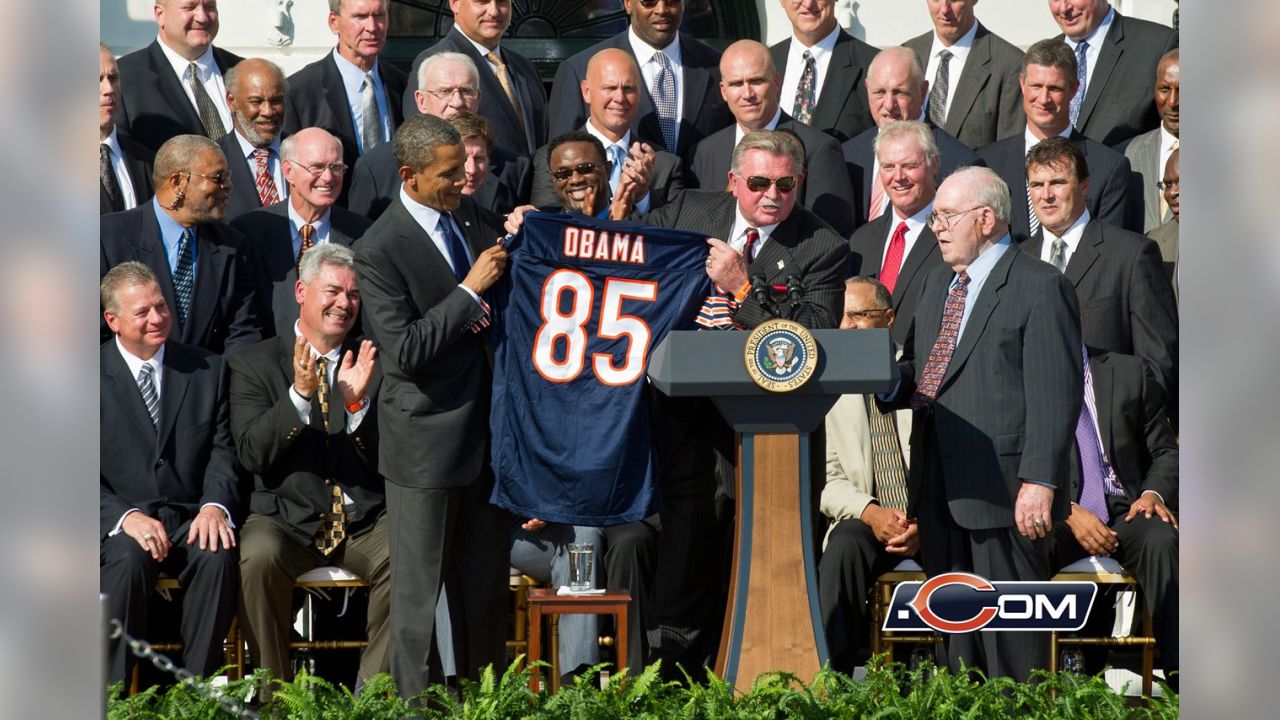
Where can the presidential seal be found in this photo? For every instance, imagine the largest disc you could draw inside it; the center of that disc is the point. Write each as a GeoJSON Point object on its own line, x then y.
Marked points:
{"type": "Point", "coordinates": [781, 355]}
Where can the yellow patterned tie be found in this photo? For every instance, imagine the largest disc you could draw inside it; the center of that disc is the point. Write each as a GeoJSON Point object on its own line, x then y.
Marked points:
{"type": "Point", "coordinates": [887, 464]}
{"type": "Point", "coordinates": [500, 69]}
{"type": "Point", "coordinates": [333, 524]}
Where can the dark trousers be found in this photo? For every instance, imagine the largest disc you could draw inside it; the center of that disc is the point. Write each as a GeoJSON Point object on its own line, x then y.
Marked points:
{"type": "Point", "coordinates": [630, 554]}
{"type": "Point", "coordinates": [849, 566]}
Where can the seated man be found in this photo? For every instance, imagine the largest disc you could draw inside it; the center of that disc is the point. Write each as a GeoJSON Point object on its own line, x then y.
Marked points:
{"type": "Point", "coordinates": [163, 418]}
{"type": "Point", "coordinates": [305, 425]}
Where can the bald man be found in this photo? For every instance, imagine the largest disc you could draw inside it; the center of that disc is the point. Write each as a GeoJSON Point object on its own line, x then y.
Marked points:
{"type": "Point", "coordinates": [1149, 152]}
{"type": "Point", "coordinates": [256, 93]}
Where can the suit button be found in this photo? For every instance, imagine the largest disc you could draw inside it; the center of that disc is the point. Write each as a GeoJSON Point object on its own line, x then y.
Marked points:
{"type": "Point", "coordinates": [328, 482]}
{"type": "Point", "coordinates": [160, 463]}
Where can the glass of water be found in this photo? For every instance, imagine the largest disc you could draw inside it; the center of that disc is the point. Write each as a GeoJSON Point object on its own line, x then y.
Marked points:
{"type": "Point", "coordinates": [1072, 661]}
{"type": "Point", "coordinates": [581, 555]}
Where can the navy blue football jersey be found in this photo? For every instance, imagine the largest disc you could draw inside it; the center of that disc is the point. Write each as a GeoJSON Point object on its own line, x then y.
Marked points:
{"type": "Point", "coordinates": [584, 303]}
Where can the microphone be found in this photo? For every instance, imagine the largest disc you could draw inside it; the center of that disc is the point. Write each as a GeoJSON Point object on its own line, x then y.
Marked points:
{"type": "Point", "coordinates": [760, 290]}
{"type": "Point", "coordinates": [795, 295]}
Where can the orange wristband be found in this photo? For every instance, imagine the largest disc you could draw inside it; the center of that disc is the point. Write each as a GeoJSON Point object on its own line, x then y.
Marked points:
{"type": "Point", "coordinates": [742, 292]}
{"type": "Point", "coordinates": [356, 406]}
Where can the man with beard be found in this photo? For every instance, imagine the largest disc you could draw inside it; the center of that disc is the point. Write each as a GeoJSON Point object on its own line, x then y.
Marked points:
{"type": "Point", "coordinates": [255, 91]}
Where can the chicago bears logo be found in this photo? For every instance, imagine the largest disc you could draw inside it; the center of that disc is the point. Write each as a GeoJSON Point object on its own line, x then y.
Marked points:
{"type": "Point", "coordinates": [962, 602]}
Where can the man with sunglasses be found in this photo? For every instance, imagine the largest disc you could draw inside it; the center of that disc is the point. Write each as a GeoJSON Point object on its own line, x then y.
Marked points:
{"type": "Point", "coordinates": [202, 265]}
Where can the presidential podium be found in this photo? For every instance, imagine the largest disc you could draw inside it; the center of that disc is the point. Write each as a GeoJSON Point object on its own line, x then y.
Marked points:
{"type": "Point", "coordinates": [772, 620]}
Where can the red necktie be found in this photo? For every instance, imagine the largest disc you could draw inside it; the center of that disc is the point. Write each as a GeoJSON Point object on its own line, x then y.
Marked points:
{"type": "Point", "coordinates": [267, 194]}
{"type": "Point", "coordinates": [893, 257]}
{"type": "Point", "coordinates": [752, 236]}
{"type": "Point", "coordinates": [944, 346]}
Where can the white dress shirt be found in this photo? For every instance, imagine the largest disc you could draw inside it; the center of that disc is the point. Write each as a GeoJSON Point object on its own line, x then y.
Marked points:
{"type": "Point", "coordinates": [915, 226]}
{"type": "Point", "coordinates": [1070, 239]}
{"type": "Point", "coordinates": [959, 55]}
{"type": "Point", "coordinates": [428, 218]}
{"type": "Point", "coordinates": [122, 172]}
{"type": "Point", "coordinates": [649, 70]}
{"type": "Point", "coordinates": [739, 132]}
{"type": "Point", "coordinates": [1030, 140]}
{"type": "Point", "coordinates": [210, 77]}
{"type": "Point", "coordinates": [1095, 40]}
{"type": "Point", "coordinates": [821, 52]}
{"type": "Point", "coordinates": [738, 236]}
{"type": "Point", "coordinates": [353, 86]}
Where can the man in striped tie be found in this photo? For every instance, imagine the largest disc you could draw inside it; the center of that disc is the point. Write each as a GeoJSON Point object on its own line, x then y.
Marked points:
{"type": "Point", "coordinates": [255, 92]}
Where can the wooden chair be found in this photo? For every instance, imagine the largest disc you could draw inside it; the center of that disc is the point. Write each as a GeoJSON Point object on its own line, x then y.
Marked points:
{"type": "Point", "coordinates": [318, 582]}
{"type": "Point", "coordinates": [232, 646]}
{"type": "Point", "coordinates": [545, 601]}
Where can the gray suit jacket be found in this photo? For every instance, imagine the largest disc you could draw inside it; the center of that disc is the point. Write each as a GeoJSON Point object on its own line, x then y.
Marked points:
{"type": "Point", "coordinates": [986, 100]}
{"type": "Point", "coordinates": [842, 109]}
{"type": "Point", "coordinates": [1144, 157]}
{"type": "Point", "coordinates": [667, 180]}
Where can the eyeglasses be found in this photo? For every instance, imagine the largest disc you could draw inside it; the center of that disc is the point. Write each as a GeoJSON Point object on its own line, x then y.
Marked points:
{"type": "Point", "coordinates": [947, 218]}
{"type": "Point", "coordinates": [222, 178]}
{"type": "Point", "coordinates": [865, 314]}
{"type": "Point", "coordinates": [463, 91]}
{"type": "Point", "coordinates": [583, 169]}
{"type": "Point", "coordinates": [317, 169]}
{"type": "Point", "coordinates": [651, 3]}
{"type": "Point", "coordinates": [759, 183]}
{"type": "Point", "coordinates": [1166, 184]}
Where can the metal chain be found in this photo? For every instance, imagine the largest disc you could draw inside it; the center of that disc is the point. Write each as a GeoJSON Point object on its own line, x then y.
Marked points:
{"type": "Point", "coordinates": [142, 650]}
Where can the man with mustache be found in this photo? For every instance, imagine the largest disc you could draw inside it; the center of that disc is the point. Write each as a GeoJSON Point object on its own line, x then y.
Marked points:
{"type": "Point", "coordinates": [124, 165]}
{"type": "Point", "coordinates": [255, 91]}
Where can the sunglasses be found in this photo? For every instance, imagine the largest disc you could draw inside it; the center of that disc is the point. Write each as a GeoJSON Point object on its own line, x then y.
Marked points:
{"type": "Point", "coordinates": [650, 3]}
{"type": "Point", "coordinates": [758, 183]}
{"type": "Point", "coordinates": [583, 169]}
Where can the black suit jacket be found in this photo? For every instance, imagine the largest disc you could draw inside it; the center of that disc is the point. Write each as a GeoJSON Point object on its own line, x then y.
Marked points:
{"type": "Point", "coordinates": [495, 106]}
{"type": "Point", "coordinates": [154, 106]}
{"type": "Point", "coordinates": [986, 100]}
{"type": "Point", "coordinates": [860, 158]}
{"type": "Point", "coordinates": [1119, 101]}
{"type": "Point", "coordinates": [375, 182]}
{"type": "Point", "coordinates": [1007, 407]}
{"type": "Point", "coordinates": [868, 245]}
{"type": "Point", "coordinates": [223, 314]}
{"type": "Point", "coordinates": [826, 189]}
{"type": "Point", "coordinates": [138, 161]}
{"type": "Point", "coordinates": [842, 109]}
{"type": "Point", "coordinates": [244, 185]}
{"type": "Point", "coordinates": [317, 98]}
{"type": "Point", "coordinates": [705, 111]}
{"type": "Point", "coordinates": [171, 470]}
{"type": "Point", "coordinates": [434, 405]}
{"type": "Point", "coordinates": [1126, 304]}
{"type": "Point", "coordinates": [1110, 192]}
{"type": "Point", "coordinates": [268, 234]}
{"type": "Point", "coordinates": [294, 464]}
{"type": "Point", "coordinates": [666, 182]}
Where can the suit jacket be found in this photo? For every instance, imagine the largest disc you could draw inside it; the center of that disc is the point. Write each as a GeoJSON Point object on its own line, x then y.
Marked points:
{"type": "Point", "coordinates": [1126, 304]}
{"type": "Point", "coordinates": [1109, 198]}
{"type": "Point", "coordinates": [801, 245]}
{"type": "Point", "coordinates": [867, 245]}
{"type": "Point", "coordinates": [494, 104]}
{"type": "Point", "coordinates": [268, 233]}
{"type": "Point", "coordinates": [850, 483]}
{"type": "Point", "coordinates": [317, 98]}
{"type": "Point", "coordinates": [860, 159]}
{"type": "Point", "coordinates": [434, 405]}
{"type": "Point", "coordinates": [244, 184]}
{"type": "Point", "coordinates": [294, 464]}
{"type": "Point", "coordinates": [666, 182]}
{"type": "Point", "coordinates": [138, 161]}
{"type": "Point", "coordinates": [1119, 101]}
{"type": "Point", "coordinates": [705, 111]}
{"type": "Point", "coordinates": [1007, 407]}
{"type": "Point", "coordinates": [1143, 153]}
{"type": "Point", "coordinates": [171, 470]}
{"type": "Point", "coordinates": [826, 190]}
{"type": "Point", "coordinates": [154, 106]}
{"type": "Point", "coordinates": [1166, 237]}
{"type": "Point", "coordinates": [223, 314]}
{"type": "Point", "coordinates": [842, 109]}
{"type": "Point", "coordinates": [986, 100]}
{"type": "Point", "coordinates": [375, 182]}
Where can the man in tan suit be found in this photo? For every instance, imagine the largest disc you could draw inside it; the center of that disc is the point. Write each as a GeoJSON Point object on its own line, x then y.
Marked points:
{"type": "Point", "coordinates": [1166, 235]}
{"type": "Point", "coordinates": [865, 495]}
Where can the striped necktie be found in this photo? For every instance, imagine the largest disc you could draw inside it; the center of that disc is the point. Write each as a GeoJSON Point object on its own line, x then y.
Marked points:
{"type": "Point", "coordinates": [209, 116]}
{"type": "Point", "coordinates": [266, 184]}
{"type": "Point", "coordinates": [184, 276]}
{"type": "Point", "coordinates": [888, 467]}
{"type": "Point", "coordinates": [147, 386]}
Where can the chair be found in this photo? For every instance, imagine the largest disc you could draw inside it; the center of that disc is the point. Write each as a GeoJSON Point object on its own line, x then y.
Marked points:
{"type": "Point", "coordinates": [546, 601]}
{"type": "Point", "coordinates": [520, 585]}
{"type": "Point", "coordinates": [881, 596]}
{"type": "Point", "coordinates": [232, 646]}
{"type": "Point", "coordinates": [1106, 571]}
{"type": "Point", "coordinates": [316, 582]}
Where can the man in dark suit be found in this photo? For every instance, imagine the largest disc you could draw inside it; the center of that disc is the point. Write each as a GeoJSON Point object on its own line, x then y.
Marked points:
{"type": "Point", "coordinates": [202, 265]}
{"type": "Point", "coordinates": [897, 90]}
{"type": "Point", "coordinates": [496, 194]}
{"type": "Point", "coordinates": [277, 236]}
{"type": "Point", "coordinates": [124, 166]}
{"type": "Point", "coordinates": [1126, 304]}
{"type": "Point", "coordinates": [1129, 512]}
{"type": "Point", "coordinates": [1117, 57]}
{"type": "Point", "coordinates": [1048, 82]}
{"type": "Point", "coordinates": [611, 91]}
{"type": "Point", "coordinates": [691, 67]}
{"type": "Point", "coordinates": [988, 469]}
{"type": "Point", "coordinates": [352, 92]}
{"type": "Point", "coordinates": [898, 248]}
{"type": "Point", "coordinates": [163, 410]}
{"type": "Point", "coordinates": [823, 69]}
{"type": "Point", "coordinates": [749, 84]}
{"type": "Point", "coordinates": [447, 83]}
{"type": "Point", "coordinates": [174, 86]}
{"type": "Point", "coordinates": [423, 268]}
{"type": "Point", "coordinates": [976, 89]}
{"type": "Point", "coordinates": [255, 92]}
{"type": "Point", "coordinates": [1149, 152]}
{"type": "Point", "coordinates": [305, 424]}
{"type": "Point", "coordinates": [511, 95]}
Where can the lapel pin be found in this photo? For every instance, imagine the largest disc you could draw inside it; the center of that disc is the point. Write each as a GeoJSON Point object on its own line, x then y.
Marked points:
{"type": "Point", "coordinates": [781, 264]}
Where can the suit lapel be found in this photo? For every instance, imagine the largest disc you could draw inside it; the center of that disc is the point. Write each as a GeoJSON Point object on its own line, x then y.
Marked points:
{"type": "Point", "coordinates": [1033, 245]}
{"type": "Point", "coordinates": [211, 265]}
{"type": "Point", "coordinates": [149, 250]}
{"type": "Point", "coordinates": [835, 90]}
{"type": "Point", "coordinates": [973, 78]}
{"type": "Point", "coordinates": [1014, 165]}
{"type": "Point", "coordinates": [1086, 254]}
{"type": "Point", "coordinates": [775, 259]}
{"type": "Point", "coordinates": [173, 389]}
{"type": "Point", "coordinates": [125, 389]}
{"type": "Point", "coordinates": [170, 87]}
{"type": "Point", "coordinates": [874, 262]}
{"type": "Point", "coordinates": [1108, 56]}
{"type": "Point", "coordinates": [984, 305]}
{"type": "Point", "coordinates": [335, 96]}
{"type": "Point", "coordinates": [926, 244]}
{"type": "Point", "coordinates": [1103, 392]}
{"type": "Point", "coordinates": [696, 82]}
{"type": "Point", "coordinates": [420, 248]}
{"type": "Point", "coordinates": [243, 182]}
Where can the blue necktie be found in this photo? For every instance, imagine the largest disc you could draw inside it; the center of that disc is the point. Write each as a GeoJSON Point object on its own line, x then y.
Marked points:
{"type": "Point", "coordinates": [618, 158]}
{"type": "Point", "coordinates": [1082, 74]}
{"type": "Point", "coordinates": [457, 251]}
{"type": "Point", "coordinates": [184, 276]}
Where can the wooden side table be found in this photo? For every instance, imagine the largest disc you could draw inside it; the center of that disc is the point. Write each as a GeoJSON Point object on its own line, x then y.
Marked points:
{"type": "Point", "coordinates": [545, 601]}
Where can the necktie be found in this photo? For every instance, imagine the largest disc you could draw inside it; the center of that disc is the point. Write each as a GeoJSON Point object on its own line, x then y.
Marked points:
{"type": "Point", "coordinates": [618, 157]}
{"type": "Point", "coordinates": [209, 117]}
{"type": "Point", "coordinates": [664, 99]}
{"type": "Point", "coordinates": [371, 132]}
{"type": "Point", "coordinates": [184, 276]}
{"type": "Point", "coordinates": [457, 251]}
{"type": "Point", "coordinates": [147, 386]}
{"type": "Point", "coordinates": [500, 69]}
{"type": "Point", "coordinates": [109, 182]}
{"type": "Point", "coordinates": [889, 468]}
{"type": "Point", "coordinates": [938, 94]}
{"type": "Point", "coordinates": [267, 194]}
{"type": "Point", "coordinates": [322, 389]}
{"type": "Point", "coordinates": [1058, 255]}
{"type": "Point", "coordinates": [1164, 204]}
{"type": "Point", "coordinates": [1094, 474]}
{"type": "Point", "coordinates": [893, 257]}
{"type": "Point", "coordinates": [749, 245]}
{"type": "Point", "coordinates": [944, 346]}
{"type": "Point", "coordinates": [806, 97]}
{"type": "Point", "coordinates": [333, 523]}
{"type": "Point", "coordinates": [308, 233]}
{"type": "Point", "coordinates": [877, 198]}
{"type": "Point", "coordinates": [1082, 74]}
{"type": "Point", "coordinates": [1032, 221]}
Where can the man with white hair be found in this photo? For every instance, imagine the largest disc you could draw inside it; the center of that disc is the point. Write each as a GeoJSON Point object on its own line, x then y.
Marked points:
{"type": "Point", "coordinates": [255, 91]}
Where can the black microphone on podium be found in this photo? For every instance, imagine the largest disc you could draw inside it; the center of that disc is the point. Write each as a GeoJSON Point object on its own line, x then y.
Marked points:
{"type": "Point", "coordinates": [760, 291]}
{"type": "Point", "coordinates": [795, 295]}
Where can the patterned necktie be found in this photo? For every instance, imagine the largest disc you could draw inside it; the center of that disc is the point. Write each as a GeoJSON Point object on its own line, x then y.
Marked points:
{"type": "Point", "coordinates": [267, 194]}
{"type": "Point", "coordinates": [889, 468]}
{"type": "Point", "coordinates": [1164, 204]}
{"type": "Point", "coordinates": [749, 245]}
{"type": "Point", "coordinates": [1082, 74]}
{"type": "Point", "coordinates": [1058, 255]}
{"type": "Point", "coordinates": [147, 386]}
{"type": "Point", "coordinates": [878, 203]}
{"type": "Point", "coordinates": [806, 93]}
{"type": "Point", "coordinates": [617, 157]}
{"type": "Point", "coordinates": [108, 175]}
{"type": "Point", "coordinates": [893, 257]}
{"type": "Point", "coordinates": [1096, 479]}
{"type": "Point", "coordinates": [457, 251]}
{"type": "Point", "coordinates": [944, 346]}
{"type": "Point", "coordinates": [308, 233]}
{"type": "Point", "coordinates": [333, 524]}
{"type": "Point", "coordinates": [500, 69]}
{"type": "Point", "coordinates": [184, 276]}
{"type": "Point", "coordinates": [938, 95]}
{"type": "Point", "coordinates": [209, 117]}
{"type": "Point", "coordinates": [1032, 221]}
{"type": "Point", "coordinates": [664, 99]}
{"type": "Point", "coordinates": [371, 132]}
